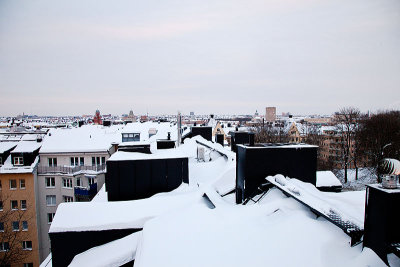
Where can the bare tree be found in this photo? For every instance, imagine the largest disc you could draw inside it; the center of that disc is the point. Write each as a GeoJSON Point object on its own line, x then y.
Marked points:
{"type": "Point", "coordinates": [11, 239]}
{"type": "Point", "coordinates": [346, 120]}
{"type": "Point", "coordinates": [270, 133]}
{"type": "Point", "coordinates": [380, 136]}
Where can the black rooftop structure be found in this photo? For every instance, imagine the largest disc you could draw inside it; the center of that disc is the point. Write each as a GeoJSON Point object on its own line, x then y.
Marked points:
{"type": "Point", "coordinates": [255, 163]}
{"type": "Point", "coordinates": [382, 221]}
{"type": "Point", "coordinates": [204, 131]}
{"type": "Point", "coordinates": [66, 245]}
{"type": "Point", "coordinates": [132, 147]}
{"type": "Point", "coordinates": [241, 138]}
{"type": "Point", "coordinates": [165, 144]}
{"type": "Point", "coordinates": [219, 138]}
{"type": "Point", "coordinates": [5, 154]}
{"type": "Point", "coordinates": [142, 178]}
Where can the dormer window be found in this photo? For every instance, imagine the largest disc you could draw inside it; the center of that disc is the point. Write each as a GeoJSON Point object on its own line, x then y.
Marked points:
{"type": "Point", "coordinates": [18, 161]}
{"type": "Point", "coordinates": [130, 137]}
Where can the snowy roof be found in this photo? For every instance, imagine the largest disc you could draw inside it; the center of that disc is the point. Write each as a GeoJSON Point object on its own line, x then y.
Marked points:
{"type": "Point", "coordinates": [115, 253]}
{"type": "Point", "coordinates": [96, 216]}
{"type": "Point", "coordinates": [276, 232]}
{"type": "Point", "coordinates": [26, 147]}
{"type": "Point", "coordinates": [5, 146]}
{"type": "Point", "coordinates": [327, 179]}
{"type": "Point", "coordinates": [88, 138]}
{"type": "Point", "coordinates": [8, 167]}
{"type": "Point", "coordinates": [185, 228]}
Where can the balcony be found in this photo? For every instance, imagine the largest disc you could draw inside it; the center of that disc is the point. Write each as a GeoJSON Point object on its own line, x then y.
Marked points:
{"type": "Point", "coordinates": [71, 169]}
{"type": "Point", "coordinates": [85, 192]}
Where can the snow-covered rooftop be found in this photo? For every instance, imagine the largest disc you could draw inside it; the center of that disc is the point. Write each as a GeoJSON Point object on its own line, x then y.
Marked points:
{"type": "Point", "coordinates": [327, 179]}
{"type": "Point", "coordinates": [195, 226]}
{"type": "Point", "coordinates": [4, 146]}
{"type": "Point", "coordinates": [26, 147]}
{"type": "Point", "coordinates": [88, 138]}
{"type": "Point", "coordinates": [95, 216]}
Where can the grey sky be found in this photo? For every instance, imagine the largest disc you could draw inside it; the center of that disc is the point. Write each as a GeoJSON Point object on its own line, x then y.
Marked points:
{"type": "Point", "coordinates": [225, 57]}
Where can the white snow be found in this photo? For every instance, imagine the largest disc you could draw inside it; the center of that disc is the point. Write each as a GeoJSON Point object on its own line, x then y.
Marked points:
{"type": "Point", "coordinates": [26, 147]}
{"type": "Point", "coordinates": [325, 202]}
{"type": "Point", "coordinates": [95, 216]}
{"type": "Point", "coordinates": [327, 179]}
{"type": "Point", "coordinates": [4, 146]}
{"type": "Point", "coordinates": [8, 167]}
{"type": "Point", "coordinates": [277, 232]}
{"type": "Point", "coordinates": [101, 196]}
{"type": "Point", "coordinates": [88, 138]}
{"type": "Point", "coordinates": [115, 253]}
{"type": "Point", "coordinates": [180, 228]}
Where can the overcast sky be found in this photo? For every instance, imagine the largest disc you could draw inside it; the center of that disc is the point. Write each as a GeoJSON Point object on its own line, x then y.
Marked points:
{"type": "Point", "coordinates": [224, 57]}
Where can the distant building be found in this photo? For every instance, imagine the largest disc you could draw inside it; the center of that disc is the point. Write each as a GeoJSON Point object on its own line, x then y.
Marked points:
{"type": "Point", "coordinates": [191, 113]}
{"type": "Point", "coordinates": [270, 114]}
{"type": "Point", "coordinates": [129, 118]}
{"type": "Point", "coordinates": [97, 118]}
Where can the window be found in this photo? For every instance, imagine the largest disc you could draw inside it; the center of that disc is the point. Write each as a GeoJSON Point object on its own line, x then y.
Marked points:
{"type": "Point", "coordinates": [1, 161]}
{"type": "Point", "coordinates": [14, 204]}
{"type": "Point", "coordinates": [1, 227]}
{"type": "Point", "coordinates": [1, 205]}
{"type": "Point", "coordinates": [22, 183]}
{"type": "Point", "coordinates": [50, 182]}
{"type": "Point", "coordinates": [98, 161]}
{"type": "Point", "coordinates": [30, 264]}
{"type": "Point", "coordinates": [51, 200]}
{"type": "Point", "coordinates": [4, 246]}
{"type": "Point", "coordinates": [18, 161]}
{"type": "Point", "coordinates": [13, 184]}
{"type": "Point", "coordinates": [67, 182]}
{"type": "Point", "coordinates": [52, 162]}
{"type": "Point", "coordinates": [15, 226]}
{"type": "Point", "coordinates": [24, 226]}
{"type": "Point", "coordinates": [91, 181]}
{"type": "Point", "coordinates": [78, 182]}
{"type": "Point", "coordinates": [23, 204]}
{"type": "Point", "coordinates": [50, 217]}
{"type": "Point", "coordinates": [68, 199]}
{"type": "Point", "coordinates": [27, 245]}
{"type": "Point", "coordinates": [129, 137]}
{"type": "Point", "coordinates": [76, 161]}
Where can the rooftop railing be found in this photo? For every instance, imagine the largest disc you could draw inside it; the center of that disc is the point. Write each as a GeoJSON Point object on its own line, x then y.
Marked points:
{"type": "Point", "coordinates": [70, 169]}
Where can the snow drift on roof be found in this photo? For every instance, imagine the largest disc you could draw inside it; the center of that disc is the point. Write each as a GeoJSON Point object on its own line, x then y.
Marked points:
{"type": "Point", "coordinates": [26, 147]}
{"type": "Point", "coordinates": [5, 146]}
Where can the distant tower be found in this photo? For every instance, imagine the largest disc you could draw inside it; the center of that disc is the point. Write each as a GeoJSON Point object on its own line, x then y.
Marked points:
{"type": "Point", "coordinates": [270, 114]}
{"type": "Point", "coordinates": [97, 118]}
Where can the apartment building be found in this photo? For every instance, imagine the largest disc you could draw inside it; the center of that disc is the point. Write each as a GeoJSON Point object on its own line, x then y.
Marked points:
{"type": "Point", "coordinates": [72, 168]}
{"type": "Point", "coordinates": [19, 235]}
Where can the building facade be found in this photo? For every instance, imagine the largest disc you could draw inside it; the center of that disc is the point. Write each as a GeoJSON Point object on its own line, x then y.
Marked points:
{"type": "Point", "coordinates": [270, 114]}
{"type": "Point", "coordinates": [19, 234]}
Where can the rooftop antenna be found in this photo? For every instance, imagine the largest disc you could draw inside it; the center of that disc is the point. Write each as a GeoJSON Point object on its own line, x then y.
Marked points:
{"type": "Point", "coordinates": [179, 125]}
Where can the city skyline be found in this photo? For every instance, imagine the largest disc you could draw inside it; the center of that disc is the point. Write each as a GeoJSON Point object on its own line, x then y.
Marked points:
{"type": "Point", "coordinates": [229, 57]}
